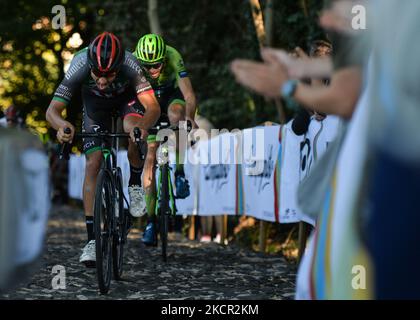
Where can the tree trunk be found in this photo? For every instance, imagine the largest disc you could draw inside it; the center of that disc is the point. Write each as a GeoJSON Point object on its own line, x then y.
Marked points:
{"type": "Point", "coordinates": [258, 21]}
{"type": "Point", "coordinates": [302, 239]}
{"type": "Point", "coordinates": [264, 35]}
{"type": "Point", "coordinates": [224, 230]}
{"type": "Point", "coordinates": [269, 23]}
{"type": "Point", "coordinates": [154, 17]}
{"type": "Point", "coordinates": [304, 6]}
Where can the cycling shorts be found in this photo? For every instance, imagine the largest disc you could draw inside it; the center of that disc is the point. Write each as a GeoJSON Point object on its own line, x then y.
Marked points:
{"type": "Point", "coordinates": [97, 115]}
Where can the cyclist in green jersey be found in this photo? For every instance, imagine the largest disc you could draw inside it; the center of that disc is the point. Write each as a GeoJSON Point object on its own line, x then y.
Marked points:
{"type": "Point", "coordinates": [164, 69]}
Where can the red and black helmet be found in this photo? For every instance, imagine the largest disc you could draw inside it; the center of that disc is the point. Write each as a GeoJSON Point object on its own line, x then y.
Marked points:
{"type": "Point", "coordinates": [105, 54]}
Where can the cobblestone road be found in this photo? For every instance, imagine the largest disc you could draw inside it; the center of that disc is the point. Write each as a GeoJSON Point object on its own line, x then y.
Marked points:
{"type": "Point", "coordinates": [194, 270]}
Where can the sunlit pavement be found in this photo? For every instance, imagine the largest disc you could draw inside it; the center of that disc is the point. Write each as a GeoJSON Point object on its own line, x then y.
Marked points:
{"type": "Point", "coordinates": [194, 270]}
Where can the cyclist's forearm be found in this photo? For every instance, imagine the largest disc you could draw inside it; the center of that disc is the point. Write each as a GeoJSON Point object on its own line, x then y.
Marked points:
{"type": "Point", "coordinates": [190, 108]}
{"type": "Point", "coordinates": [53, 114]}
{"type": "Point", "coordinates": [150, 118]}
{"type": "Point", "coordinates": [189, 96]}
{"type": "Point", "coordinates": [152, 113]}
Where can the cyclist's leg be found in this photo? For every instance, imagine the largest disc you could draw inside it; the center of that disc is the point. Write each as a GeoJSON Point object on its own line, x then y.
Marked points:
{"type": "Point", "coordinates": [149, 183]}
{"type": "Point", "coordinates": [93, 163]}
{"type": "Point", "coordinates": [149, 177]}
{"type": "Point", "coordinates": [91, 148]}
{"type": "Point", "coordinates": [149, 165]}
{"type": "Point", "coordinates": [176, 113]}
{"type": "Point", "coordinates": [132, 111]}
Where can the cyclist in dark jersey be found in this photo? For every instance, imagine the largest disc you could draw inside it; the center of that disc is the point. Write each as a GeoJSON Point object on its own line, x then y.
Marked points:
{"type": "Point", "coordinates": [165, 70]}
{"type": "Point", "coordinates": [109, 78]}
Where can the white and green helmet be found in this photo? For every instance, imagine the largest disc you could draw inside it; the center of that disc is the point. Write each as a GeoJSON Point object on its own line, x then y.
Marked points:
{"type": "Point", "coordinates": [150, 49]}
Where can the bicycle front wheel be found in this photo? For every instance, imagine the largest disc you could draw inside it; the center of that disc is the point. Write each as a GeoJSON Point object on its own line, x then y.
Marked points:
{"type": "Point", "coordinates": [103, 220]}
{"type": "Point", "coordinates": [164, 212]}
{"type": "Point", "coordinates": [120, 234]}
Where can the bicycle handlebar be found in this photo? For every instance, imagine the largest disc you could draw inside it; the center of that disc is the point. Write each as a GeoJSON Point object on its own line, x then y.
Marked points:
{"type": "Point", "coordinates": [102, 135]}
{"type": "Point", "coordinates": [165, 125]}
{"type": "Point", "coordinates": [64, 152]}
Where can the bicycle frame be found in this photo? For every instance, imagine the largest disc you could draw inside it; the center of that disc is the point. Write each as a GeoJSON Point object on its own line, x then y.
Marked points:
{"type": "Point", "coordinates": [164, 172]}
{"type": "Point", "coordinates": [115, 229]}
{"type": "Point", "coordinates": [110, 155]}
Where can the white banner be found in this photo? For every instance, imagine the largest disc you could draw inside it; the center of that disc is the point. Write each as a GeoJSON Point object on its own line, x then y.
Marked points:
{"type": "Point", "coordinates": [289, 179]}
{"type": "Point", "coordinates": [247, 172]}
{"type": "Point", "coordinates": [313, 145]}
{"type": "Point", "coordinates": [217, 175]}
{"type": "Point", "coordinates": [258, 172]}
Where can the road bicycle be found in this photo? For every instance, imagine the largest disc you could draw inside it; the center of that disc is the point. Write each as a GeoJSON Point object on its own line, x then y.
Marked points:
{"type": "Point", "coordinates": [165, 209]}
{"type": "Point", "coordinates": [111, 221]}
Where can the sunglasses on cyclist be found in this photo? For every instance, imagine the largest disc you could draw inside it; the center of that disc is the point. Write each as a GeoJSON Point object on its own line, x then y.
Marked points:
{"type": "Point", "coordinates": [103, 74]}
{"type": "Point", "coordinates": [156, 65]}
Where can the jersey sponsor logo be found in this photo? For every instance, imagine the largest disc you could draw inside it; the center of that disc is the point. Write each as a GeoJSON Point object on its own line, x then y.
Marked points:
{"type": "Point", "coordinates": [95, 127]}
{"type": "Point", "coordinates": [134, 65]}
{"type": "Point", "coordinates": [76, 65]}
{"type": "Point", "coordinates": [63, 92]}
{"type": "Point", "coordinates": [142, 90]}
{"type": "Point", "coordinates": [89, 145]}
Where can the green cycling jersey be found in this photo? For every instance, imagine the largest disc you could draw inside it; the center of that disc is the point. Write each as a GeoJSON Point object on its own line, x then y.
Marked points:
{"type": "Point", "coordinates": [173, 70]}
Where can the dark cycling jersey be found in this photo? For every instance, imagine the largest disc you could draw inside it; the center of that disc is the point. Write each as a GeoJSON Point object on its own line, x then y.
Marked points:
{"type": "Point", "coordinates": [78, 77]}
{"type": "Point", "coordinates": [98, 104]}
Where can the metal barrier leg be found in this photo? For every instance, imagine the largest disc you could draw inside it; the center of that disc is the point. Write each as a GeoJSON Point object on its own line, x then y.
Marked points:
{"type": "Point", "coordinates": [263, 236]}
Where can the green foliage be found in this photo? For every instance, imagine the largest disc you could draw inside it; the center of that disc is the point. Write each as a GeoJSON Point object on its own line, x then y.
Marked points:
{"type": "Point", "coordinates": [208, 33]}
{"type": "Point", "coordinates": [293, 27]}
{"type": "Point", "coordinates": [31, 54]}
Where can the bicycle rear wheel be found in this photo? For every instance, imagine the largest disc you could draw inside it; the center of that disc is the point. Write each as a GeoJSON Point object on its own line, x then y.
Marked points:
{"type": "Point", "coordinates": [164, 221]}
{"type": "Point", "coordinates": [103, 220]}
{"type": "Point", "coordinates": [120, 234]}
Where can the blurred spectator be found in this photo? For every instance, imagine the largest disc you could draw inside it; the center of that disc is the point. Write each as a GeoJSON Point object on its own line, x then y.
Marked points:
{"type": "Point", "coordinates": [13, 117]}
{"type": "Point", "coordinates": [393, 209]}
{"type": "Point", "coordinates": [3, 121]}
{"type": "Point", "coordinates": [301, 121]}
{"type": "Point", "coordinates": [278, 76]}
{"type": "Point", "coordinates": [24, 205]}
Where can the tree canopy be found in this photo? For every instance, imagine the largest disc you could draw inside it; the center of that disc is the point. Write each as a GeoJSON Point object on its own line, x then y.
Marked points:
{"type": "Point", "coordinates": [209, 34]}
